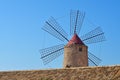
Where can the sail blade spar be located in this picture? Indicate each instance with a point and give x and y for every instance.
(76, 21)
(94, 36)
(51, 53)
(93, 60)
(52, 27)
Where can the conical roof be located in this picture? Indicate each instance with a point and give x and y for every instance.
(75, 40)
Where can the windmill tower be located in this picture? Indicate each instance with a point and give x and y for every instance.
(76, 52)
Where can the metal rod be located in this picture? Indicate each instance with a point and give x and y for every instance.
(94, 56)
(76, 22)
(81, 22)
(95, 60)
(70, 24)
(93, 36)
(57, 31)
(92, 61)
(51, 53)
(46, 60)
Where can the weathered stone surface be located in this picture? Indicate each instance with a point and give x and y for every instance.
(75, 55)
(78, 73)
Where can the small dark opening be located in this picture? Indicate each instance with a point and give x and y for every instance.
(80, 49)
(68, 66)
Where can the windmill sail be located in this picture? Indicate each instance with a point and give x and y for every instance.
(94, 36)
(76, 21)
(49, 54)
(93, 60)
(51, 26)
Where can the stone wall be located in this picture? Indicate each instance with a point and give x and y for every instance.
(79, 73)
(75, 55)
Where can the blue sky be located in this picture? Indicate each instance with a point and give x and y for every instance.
(21, 36)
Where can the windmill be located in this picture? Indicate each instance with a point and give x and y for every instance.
(76, 52)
